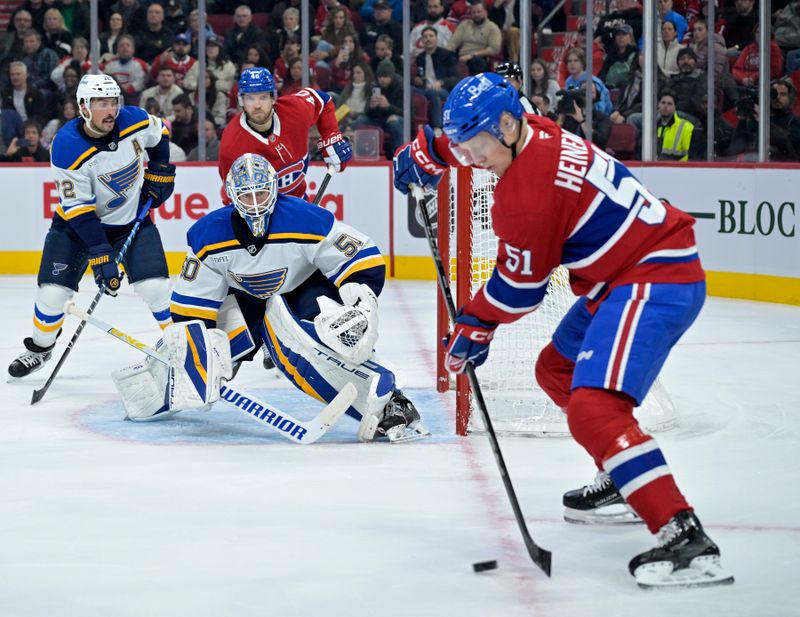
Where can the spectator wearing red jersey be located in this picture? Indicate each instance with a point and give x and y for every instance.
(129, 71)
(745, 71)
(176, 57)
(80, 54)
(350, 54)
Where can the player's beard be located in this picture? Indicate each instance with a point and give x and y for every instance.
(259, 118)
(106, 125)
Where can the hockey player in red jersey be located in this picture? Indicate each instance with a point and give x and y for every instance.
(634, 265)
(277, 129)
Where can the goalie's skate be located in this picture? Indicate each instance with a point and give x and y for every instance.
(599, 503)
(401, 421)
(685, 557)
(31, 360)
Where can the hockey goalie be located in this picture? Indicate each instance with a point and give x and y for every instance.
(277, 271)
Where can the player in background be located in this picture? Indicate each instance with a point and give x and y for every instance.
(635, 267)
(313, 285)
(513, 74)
(277, 129)
(98, 162)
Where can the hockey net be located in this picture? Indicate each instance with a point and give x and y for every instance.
(515, 402)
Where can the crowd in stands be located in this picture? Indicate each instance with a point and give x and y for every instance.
(150, 47)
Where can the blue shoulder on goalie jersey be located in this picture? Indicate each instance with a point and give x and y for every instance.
(72, 147)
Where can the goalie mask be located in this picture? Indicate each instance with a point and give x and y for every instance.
(252, 186)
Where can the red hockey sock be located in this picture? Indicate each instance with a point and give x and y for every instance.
(554, 375)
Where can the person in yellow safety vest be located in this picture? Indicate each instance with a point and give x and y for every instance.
(674, 134)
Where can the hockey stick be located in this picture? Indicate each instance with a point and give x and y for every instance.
(279, 421)
(324, 185)
(541, 557)
(38, 395)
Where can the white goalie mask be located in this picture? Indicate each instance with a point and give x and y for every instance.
(252, 186)
(97, 87)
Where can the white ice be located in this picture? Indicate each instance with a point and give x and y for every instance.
(211, 515)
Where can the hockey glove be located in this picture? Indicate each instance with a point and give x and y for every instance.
(336, 151)
(159, 182)
(104, 268)
(417, 163)
(469, 342)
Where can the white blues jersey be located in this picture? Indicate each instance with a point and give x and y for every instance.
(301, 239)
(103, 177)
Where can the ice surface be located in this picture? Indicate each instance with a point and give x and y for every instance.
(212, 515)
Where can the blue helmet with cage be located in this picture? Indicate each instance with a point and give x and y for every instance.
(476, 104)
(256, 79)
(252, 185)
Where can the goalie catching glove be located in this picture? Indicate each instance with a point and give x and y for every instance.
(199, 362)
(349, 329)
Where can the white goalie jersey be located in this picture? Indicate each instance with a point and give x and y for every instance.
(301, 239)
(107, 185)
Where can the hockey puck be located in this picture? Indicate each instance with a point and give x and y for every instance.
(483, 566)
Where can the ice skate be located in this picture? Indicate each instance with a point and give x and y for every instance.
(31, 360)
(401, 421)
(599, 503)
(685, 557)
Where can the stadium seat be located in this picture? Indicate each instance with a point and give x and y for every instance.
(261, 21)
(622, 141)
(220, 24)
(420, 118)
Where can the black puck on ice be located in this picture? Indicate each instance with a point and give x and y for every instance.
(483, 566)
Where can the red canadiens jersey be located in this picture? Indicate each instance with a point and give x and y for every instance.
(564, 201)
(286, 147)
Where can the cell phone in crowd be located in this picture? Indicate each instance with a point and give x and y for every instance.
(23, 143)
(376, 91)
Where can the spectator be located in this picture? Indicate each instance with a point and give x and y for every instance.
(10, 127)
(570, 116)
(20, 23)
(543, 104)
(35, 10)
(56, 36)
(668, 48)
(290, 52)
(382, 24)
(436, 75)
(176, 57)
(223, 69)
(745, 71)
(76, 17)
(739, 23)
(350, 53)
(134, 15)
(212, 144)
(152, 107)
(541, 83)
(476, 40)
(723, 133)
(323, 12)
(628, 13)
(384, 50)
(436, 18)
(184, 125)
(216, 101)
(576, 66)
(24, 98)
(598, 55)
(242, 35)
(337, 25)
(688, 86)
(700, 46)
(27, 149)
(689, 9)
(154, 37)
(673, 133)
(80, 54)
(280, 6)
(129, 71)
(621, 56)
(787, 33)
(66, 112)
(108, 39)
(165, 90)
(193, 31)
(290, 29)
(40, 60)
(505, 13)
(666, 13)
(176, 154)
(355, 96)
(293, 82)
(368, 10)
(72, 75)
(175, 19)
(257, 56)
(385, 106)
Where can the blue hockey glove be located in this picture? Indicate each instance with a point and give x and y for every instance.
(336, 151)
(104, 268)
(469, 342)
(417, 163)
(159, 182)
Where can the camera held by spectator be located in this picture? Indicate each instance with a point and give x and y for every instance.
(571, 103)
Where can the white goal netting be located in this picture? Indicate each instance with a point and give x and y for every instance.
(515, 402)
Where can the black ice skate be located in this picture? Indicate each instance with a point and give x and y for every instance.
(31, 360)
(685, 557)
(599, 503)
(401, 421)
(267, 362)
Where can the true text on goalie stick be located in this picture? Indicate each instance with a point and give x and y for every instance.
(279, 421)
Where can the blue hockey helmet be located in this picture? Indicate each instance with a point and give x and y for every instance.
(249, 178)
(476, 104)
(256, 79)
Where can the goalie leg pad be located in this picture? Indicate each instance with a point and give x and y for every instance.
(321, 373)
(144, 388)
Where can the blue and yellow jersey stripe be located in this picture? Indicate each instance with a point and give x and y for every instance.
(194, 308)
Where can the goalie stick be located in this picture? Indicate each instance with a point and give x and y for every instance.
(273, 418)
(38, 395)
(540, 556)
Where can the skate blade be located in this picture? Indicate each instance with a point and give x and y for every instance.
(610, 515)
(403, 434)
(704, 571)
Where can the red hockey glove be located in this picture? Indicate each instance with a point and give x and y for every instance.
(336, 151)
(469, 342)
(417, 163)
